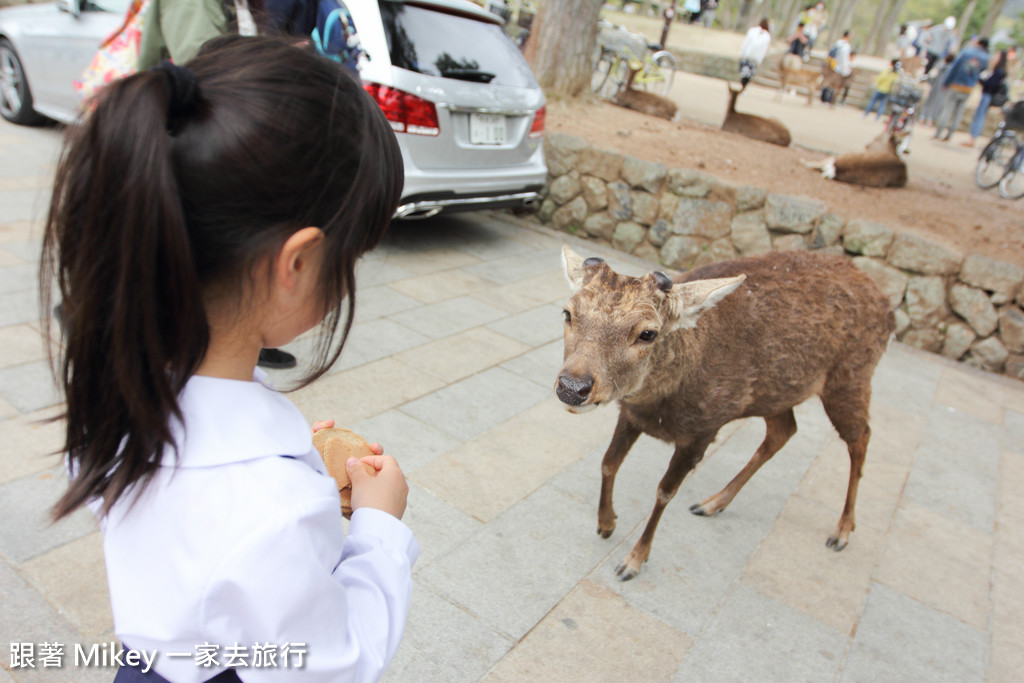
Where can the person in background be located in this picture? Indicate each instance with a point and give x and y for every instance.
(708, 10)
(754, 48)
(990, 87)
(963, 74)
(175, 30)
(903, 47)
(815, 20)
(884, 84)
(692, 7)
(931, 109)
(938, 41)
(797, 43)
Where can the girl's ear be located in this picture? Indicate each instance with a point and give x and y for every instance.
(296, 255)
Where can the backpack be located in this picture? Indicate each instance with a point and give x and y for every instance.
(335, 33)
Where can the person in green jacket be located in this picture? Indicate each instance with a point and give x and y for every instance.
(884, 85)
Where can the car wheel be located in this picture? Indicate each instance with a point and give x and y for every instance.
(15, 98)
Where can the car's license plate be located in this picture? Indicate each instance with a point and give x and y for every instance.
(486, 129)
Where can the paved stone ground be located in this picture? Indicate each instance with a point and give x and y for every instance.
(453, 361)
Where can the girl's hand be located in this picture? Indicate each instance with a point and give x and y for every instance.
(387, 490)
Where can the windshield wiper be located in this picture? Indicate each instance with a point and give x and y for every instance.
(469, 75)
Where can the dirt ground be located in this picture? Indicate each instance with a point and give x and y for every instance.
(953, 213)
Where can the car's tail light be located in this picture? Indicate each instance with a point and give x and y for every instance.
(406, 112)
(537, 129)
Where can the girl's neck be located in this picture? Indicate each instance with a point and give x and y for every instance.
(230, 359)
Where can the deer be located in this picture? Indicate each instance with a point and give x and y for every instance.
(879, 165)
(683, 357)
(756, 127)
(644, 102)
(792, 73)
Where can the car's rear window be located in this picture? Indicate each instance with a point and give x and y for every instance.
(437, 43)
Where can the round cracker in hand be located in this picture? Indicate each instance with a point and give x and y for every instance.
(336, 446)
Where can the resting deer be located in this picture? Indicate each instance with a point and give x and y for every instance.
(756, 127)
(751, 337)
(644, 102)
(879, 165)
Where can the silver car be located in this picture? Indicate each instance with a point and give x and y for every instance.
(466, 110)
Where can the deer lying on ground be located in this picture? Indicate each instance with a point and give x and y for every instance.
(751, 337)
(756, 127)
(644, 102)
(793, 74)
(879, 165)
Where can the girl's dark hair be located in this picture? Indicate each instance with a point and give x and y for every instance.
(1000, 61)
(151, 217)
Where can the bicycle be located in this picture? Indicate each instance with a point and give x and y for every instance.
(619, 51)
(904, 114)
(1002, 156)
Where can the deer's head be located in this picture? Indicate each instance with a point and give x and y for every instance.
(614, 324)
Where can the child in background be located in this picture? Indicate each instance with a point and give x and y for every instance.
(884, 84)
(201, 213)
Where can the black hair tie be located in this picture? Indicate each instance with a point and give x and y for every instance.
(184, 91)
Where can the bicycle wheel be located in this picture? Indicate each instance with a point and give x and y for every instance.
(1011, 185)
(603, 60)
(994, 161)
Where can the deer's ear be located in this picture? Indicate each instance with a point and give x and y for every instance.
(688, 300)
(573, 264)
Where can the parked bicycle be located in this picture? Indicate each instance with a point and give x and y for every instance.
(1002, 156)
(904, 113)
(619, 51)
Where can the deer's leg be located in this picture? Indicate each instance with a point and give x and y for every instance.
(848, 411)
(683, 461)
(622, 440)
(779, 430)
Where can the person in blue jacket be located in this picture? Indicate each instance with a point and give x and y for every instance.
(963, 74)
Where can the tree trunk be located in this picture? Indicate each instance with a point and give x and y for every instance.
(560, 48)
(886, 31)
(961, 25)
(994, 10)
(840, 22)
(872, 40)
(745, 17)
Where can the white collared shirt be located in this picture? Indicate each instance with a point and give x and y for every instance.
(241, 544)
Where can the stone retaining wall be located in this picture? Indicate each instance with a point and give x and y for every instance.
(966, 307)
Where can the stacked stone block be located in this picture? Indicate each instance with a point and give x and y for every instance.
(965, 307)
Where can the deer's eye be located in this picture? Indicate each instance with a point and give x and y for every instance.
(648, 335)
(568, 316)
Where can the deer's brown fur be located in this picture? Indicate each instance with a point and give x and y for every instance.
(879, 165)
(645, 102)
(751, 126)
(792, 74)
(751, 337)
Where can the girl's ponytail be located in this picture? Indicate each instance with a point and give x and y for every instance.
(117, 241)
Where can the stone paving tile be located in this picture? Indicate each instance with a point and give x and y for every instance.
(1013, 432)
(448, 317)
(21, 344)
(410, 257)
(411, 442)
(363, 392)
(463, 354)
(380, 302)
(895, 435)
(24, 506)
(439, 526)
(374, 340)
(549, 288)
(29, 387)
(30, 444)
(29, 251)
(374, 272)
(442, 286)
(74, 580)
(955, 468)
(524, 562)
(18, 307)
(14, 231)
(901, 639)
(1013, 394)
(519, 267)
(905, 380)
(471, 647)
(793, 566)
(752, 637)
(1010, 503)
(491, 473)
(541, 365)
(959, 389)
(18, 278)
(1007, 655)
(594, 635)
(939, 562)
(9, 259)
(535, 327)
(474, 405)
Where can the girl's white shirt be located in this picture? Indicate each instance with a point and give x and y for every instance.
(238, 542)
(755, 44)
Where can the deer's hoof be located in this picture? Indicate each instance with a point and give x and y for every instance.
(836, 543)
(700, 510)
(605, 533)
(625, 572)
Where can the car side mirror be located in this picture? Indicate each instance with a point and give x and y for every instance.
(72, 7)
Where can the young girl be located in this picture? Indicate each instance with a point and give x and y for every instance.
(201, 213)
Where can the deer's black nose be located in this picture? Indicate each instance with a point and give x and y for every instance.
(573, 390)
